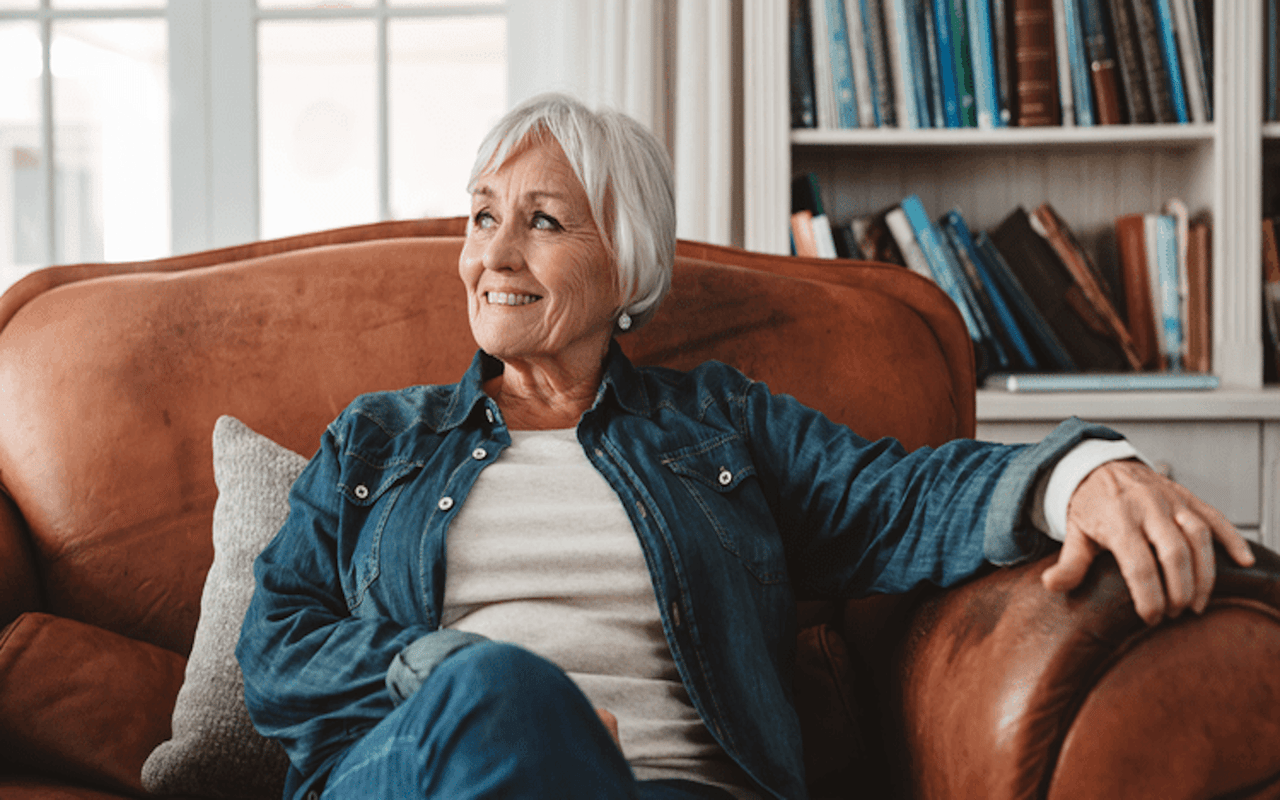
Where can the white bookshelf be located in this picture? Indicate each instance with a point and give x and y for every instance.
(1091, 176)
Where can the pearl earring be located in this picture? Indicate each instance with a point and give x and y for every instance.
(624, 321)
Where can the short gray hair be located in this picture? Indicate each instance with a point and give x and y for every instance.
(626, 174)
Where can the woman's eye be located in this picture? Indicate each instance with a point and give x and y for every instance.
(482, 219)
(544, 222)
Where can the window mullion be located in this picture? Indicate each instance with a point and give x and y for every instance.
(384, 122)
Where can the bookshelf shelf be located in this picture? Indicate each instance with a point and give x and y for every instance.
(1271, 130)
(1006, 137)
(1226, 403)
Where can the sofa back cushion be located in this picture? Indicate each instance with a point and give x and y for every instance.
(112, 384)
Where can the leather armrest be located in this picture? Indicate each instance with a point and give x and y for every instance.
(19, 586)
(1001, 689)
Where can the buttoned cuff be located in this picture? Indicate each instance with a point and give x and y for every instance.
(411, 666)
(1054, 490)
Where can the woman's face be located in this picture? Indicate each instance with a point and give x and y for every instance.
(540, 281)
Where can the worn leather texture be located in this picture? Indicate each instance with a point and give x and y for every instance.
(112, 376)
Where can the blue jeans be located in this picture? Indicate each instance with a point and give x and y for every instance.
(494, 720)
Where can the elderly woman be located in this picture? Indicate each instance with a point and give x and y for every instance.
(518, 586)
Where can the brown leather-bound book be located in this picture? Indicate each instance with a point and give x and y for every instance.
(1132, 248)
(1157, 74)
(1199, 258)
(1102, 66)
(1034, 67)
(1133, 82)
(1055, 294)
(1101, 312)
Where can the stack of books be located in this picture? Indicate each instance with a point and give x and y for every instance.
(1033, 299)
(992, 63)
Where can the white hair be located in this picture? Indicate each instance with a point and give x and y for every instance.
(626, 174)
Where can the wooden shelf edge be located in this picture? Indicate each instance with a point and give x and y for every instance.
(1003, 137)
(1226, 403)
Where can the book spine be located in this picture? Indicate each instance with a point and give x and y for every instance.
(841, 65)
(877, 47)
(1035, 74)
(983, 57)
(900, 228)
(1062, 50)
(1133, 82)
(1001, 44)
(803, 113)
(1169, 51)
(1044, 340)
(999, 315)
(824, 88)
(1271, 290)
(963, 61)
(944, 53)
(1170, 296)
(802, 236)
(862, 83)
(1157, 72)
(1189, 54)
(1272, 43)
(1081, 95)
(1102, 66)
(898, 25)
(1130, 242)
(1199, 258)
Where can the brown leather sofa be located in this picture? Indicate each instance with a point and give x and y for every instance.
(111, 378)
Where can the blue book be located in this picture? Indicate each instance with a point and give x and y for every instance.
(946, 63)
(1050, 352)
(841, 64)
(869, 37)
(804, 110)
(945, 272)
(1272, 45)
(1080, 78)
(929, 49)
(1103, 382)
(982, 53)
(1001, 315)
(1173, 64)
(1170, 306)
(963, 62)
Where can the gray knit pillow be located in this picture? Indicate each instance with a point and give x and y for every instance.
(215, 751)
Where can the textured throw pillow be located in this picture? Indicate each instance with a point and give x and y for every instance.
(214, 750)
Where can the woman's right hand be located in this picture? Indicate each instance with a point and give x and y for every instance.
(610, 722)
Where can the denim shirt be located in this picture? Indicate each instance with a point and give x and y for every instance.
(743, 501)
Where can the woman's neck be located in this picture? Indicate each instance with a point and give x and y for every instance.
(537, 398)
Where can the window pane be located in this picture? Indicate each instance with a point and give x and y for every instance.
(24, 232)
(448, 86)
(23, 5)
(111, 139)
(270, 4)
(318, 131)
(444, 3)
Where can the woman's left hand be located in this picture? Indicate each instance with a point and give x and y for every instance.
(1162, 537)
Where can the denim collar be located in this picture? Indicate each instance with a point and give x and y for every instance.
(622, 383)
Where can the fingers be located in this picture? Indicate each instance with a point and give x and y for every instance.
(611, 722)
(1073, 563)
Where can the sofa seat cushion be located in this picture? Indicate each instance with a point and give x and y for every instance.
(215, 750)
(81, 702)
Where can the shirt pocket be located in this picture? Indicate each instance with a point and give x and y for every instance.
(369, 495)
(719, 477)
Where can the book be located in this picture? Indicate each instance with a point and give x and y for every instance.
(1081, 94)
(1181, 224)
(841, 65)
(983, 59)
(1102, 65)
(1101, 312)
(877, 47)
(945, 57)
(1173, 63)
(1062, 51)
(803, 111)
(1049, 352)
(1055, 294)
(863, 88)
(1002, 48)
(963, 62)
(1035, 73)
(874, 239)
(1271, 296)
(1133, 82)
(846, 243)
(1140, 316)
(999, 315)
(1162, 243)
(823, 82)
(927, 41)
(1153, 63)
(810, 226)
(1271, 53)
(803, 240)
(898, 22)
(1188, 38)
(895, 219)
(1103, 382)
(1199, 298)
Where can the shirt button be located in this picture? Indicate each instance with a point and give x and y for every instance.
(488, 414)
(362, 492)
(445, 503)
(479, 454)
(726, 477)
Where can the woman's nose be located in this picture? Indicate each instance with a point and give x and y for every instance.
(503, 250)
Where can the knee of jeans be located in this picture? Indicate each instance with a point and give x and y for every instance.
(496, 667)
